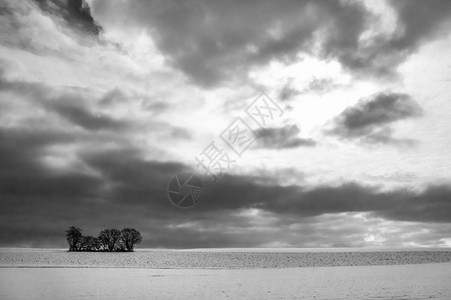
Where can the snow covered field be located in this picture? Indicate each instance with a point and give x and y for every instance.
(222, 258)
(56, 274)
(423, 281)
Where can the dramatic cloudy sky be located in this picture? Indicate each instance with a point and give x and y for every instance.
(103, 102)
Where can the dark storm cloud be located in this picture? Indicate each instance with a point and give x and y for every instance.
(280, 138)
(381, 109)
(37, 201)
(123, 188)
(81, 116)
(32, 195)
(44, 188)
(76, 13)
(71, 107)
(417, 23)
(351, 197)
(135, 179)
(129, 190)
(370, 119)
(82, 110)
(432, 205)
(20, 147)
(214, 41)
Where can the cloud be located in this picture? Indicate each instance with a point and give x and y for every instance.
(96, 187)
(417, 22)
(71, 107)
(217, 41)
(287, 92)
(295, 200)
(93, 186)
(48, 29)
(72, 151)
(220, 41)
(25, 174)
(101, 189)
(320, 85)
(125, 189)
(76, 13)
(370, 119)
(91, 113)
(79, 115)
(280, 138)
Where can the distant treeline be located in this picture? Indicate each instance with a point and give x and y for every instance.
(108, 240)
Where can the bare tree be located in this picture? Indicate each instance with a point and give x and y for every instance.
(130, 237)
(98, 244)
(74, 238)
(110, 238)
(88, 243)
(104, 238)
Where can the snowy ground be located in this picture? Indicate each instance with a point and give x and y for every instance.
(422, 281)
(222, 258)
(226, 274)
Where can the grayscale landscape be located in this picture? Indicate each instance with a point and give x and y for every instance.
(225, 149)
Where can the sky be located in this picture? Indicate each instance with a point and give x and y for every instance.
(103, 102)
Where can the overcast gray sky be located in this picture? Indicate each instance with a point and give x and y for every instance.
(103, 102)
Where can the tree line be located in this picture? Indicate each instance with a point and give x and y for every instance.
(108, 240)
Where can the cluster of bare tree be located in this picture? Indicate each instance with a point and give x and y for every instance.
(108, 240)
